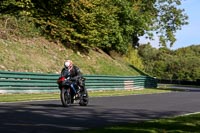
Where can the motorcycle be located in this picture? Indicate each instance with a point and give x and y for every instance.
(71, 92)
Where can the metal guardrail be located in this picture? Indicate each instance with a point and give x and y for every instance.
(179, 82)
(27, 82)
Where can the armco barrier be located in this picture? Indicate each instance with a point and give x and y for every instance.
(26, 82)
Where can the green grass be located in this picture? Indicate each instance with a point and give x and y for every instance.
(180, 124)
(48, 96)
(48, 57)
(127, 92)
(28, 97)
(24, 49)
(179, 85)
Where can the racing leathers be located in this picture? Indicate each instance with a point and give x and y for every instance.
(75, 76)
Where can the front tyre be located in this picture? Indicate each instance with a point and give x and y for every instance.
(84, 99)
(65, 97)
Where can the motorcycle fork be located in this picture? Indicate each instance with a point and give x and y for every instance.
(68, 91)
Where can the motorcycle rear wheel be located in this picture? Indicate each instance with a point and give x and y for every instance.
(65, 97)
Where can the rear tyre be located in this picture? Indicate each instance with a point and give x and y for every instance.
(65, 97)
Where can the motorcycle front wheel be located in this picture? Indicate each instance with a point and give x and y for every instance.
(84, 99)
(65, 97)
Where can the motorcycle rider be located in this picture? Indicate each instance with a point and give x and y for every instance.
(73, 72)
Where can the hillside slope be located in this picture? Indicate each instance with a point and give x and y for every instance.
(40, 55)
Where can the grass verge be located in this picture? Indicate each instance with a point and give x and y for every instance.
(49, 96)
(180, 124)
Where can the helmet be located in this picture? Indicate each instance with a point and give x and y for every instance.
(68, 64)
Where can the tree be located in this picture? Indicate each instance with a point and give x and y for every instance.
(169, 19)
(133, 58)
(181, 64)
(107, 24)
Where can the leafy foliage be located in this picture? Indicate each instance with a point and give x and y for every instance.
(133, 58)
(181, 64)
(169, 19)
(107, 24)
(111, 25)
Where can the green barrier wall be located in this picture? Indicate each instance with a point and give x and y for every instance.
(26, 82)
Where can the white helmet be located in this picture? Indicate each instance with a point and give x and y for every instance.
(68, 64)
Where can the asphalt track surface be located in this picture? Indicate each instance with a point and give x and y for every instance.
(51, 117)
